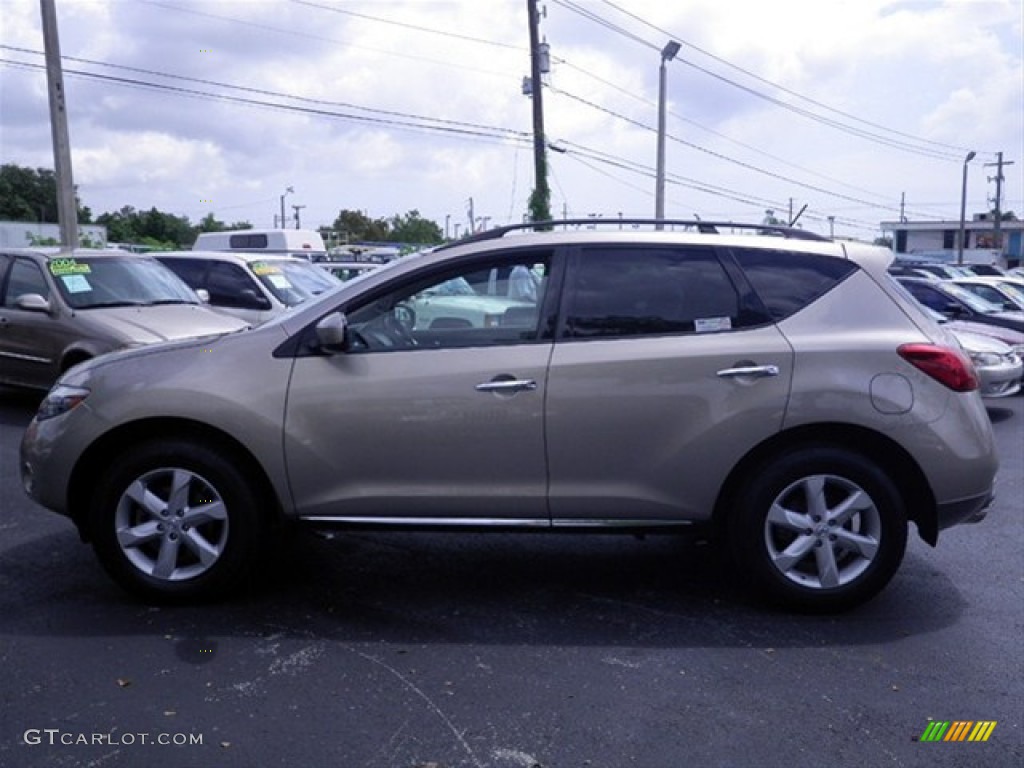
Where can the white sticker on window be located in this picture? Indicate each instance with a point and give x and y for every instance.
(76, 283)
(280, 281)
(708, 324)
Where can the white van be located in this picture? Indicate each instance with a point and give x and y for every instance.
(304, 243)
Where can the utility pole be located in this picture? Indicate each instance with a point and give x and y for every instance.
(540, 200)
(998, 230)
(297, 208)
(67, 207)
(472, 217)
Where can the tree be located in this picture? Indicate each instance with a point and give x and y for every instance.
(413, 228)
(28, 194)
(153, 228)
(355, 226)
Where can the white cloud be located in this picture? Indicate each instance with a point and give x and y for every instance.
(946, 71)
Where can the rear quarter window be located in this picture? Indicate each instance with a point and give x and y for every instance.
(788, 281)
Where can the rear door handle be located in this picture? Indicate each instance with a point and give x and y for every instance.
(507, 385)
(751, 371)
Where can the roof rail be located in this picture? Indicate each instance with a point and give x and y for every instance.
(706, 227)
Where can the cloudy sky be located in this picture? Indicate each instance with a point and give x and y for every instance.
(847, 107)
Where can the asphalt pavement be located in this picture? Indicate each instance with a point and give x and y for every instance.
(497, 651)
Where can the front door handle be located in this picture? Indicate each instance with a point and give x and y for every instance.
(507, 386)
(751, 371)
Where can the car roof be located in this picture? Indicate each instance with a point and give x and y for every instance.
(48, 253)
(238, 257)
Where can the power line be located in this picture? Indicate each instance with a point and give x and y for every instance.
(942, 151)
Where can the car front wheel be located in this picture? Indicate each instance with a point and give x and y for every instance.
(819, 529)
(175, 521)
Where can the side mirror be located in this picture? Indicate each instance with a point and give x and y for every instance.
(203, 294)
(32, 302)
(253, 300)
(332, 332)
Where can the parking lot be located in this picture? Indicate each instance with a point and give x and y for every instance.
(408, 650)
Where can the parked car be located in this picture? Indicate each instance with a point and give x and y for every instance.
(956, 302)
(777, 387)
(1003, 293)
(58, 309)
(943, 271)
(254, 287)
(999, 367)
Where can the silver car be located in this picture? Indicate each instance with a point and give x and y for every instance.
(252, 286)
(779, 388)
(58, 309)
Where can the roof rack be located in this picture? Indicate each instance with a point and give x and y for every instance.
(705, 227)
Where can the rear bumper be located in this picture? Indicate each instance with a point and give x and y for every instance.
(972, 510)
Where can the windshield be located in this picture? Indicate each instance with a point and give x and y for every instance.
(293, 281)
(973, 300)
(88, 282)
(1014, 292)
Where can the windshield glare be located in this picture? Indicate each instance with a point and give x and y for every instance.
(88, 282)
(293, 281)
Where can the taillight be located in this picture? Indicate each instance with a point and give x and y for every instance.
(950, 367)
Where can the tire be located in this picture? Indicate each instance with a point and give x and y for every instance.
(175, 521)
(819, 529)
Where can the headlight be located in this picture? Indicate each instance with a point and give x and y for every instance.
(986, 358)
(60, 399)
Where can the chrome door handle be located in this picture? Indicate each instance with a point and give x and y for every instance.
(507, 385)
(754, 371)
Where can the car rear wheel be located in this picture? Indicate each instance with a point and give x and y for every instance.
(819, 529)
(175, 521)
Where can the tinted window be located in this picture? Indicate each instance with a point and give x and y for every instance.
(243, 242)
(25, 277)
(649, 291)
(230, 286)
(189, 270)
(787, 281)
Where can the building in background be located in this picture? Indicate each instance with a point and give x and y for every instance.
(937, 240)
(24, 234)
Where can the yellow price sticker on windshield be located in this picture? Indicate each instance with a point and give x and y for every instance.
(60, 267)
(262, 268)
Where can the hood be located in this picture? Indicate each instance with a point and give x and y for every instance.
(1005, 335)
(163, 322)
(975, 343)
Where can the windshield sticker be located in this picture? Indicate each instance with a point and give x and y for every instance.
(59, 267)
(280, 281)
(709, 324)
(76, 283)
(262, 268)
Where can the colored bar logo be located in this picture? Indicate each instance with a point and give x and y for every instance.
(958, 730)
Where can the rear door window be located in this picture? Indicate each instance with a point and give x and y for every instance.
(622, 291)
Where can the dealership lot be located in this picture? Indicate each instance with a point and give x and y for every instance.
(414, 650)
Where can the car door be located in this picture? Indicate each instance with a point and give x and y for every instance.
(442, 422)
(663, 375)
(31, 340)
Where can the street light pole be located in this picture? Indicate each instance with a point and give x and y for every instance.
(667, 54)
(963, 210)
(286, 192)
